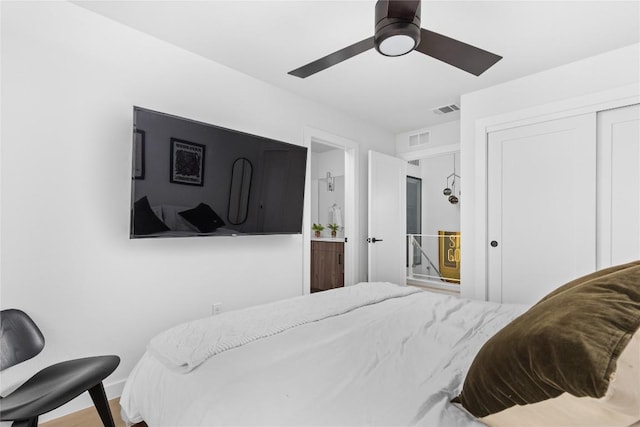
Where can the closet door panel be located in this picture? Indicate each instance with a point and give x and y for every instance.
(541, 207)
(618, 186)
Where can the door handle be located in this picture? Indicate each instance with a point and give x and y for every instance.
(494, 243)
(373, 240)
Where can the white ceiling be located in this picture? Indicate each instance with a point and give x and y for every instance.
(266, 39)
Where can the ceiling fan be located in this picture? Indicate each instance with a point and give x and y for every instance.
(398, 32)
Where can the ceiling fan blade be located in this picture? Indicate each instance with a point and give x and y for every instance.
(405, 9)
(461, 55)
(333, 58)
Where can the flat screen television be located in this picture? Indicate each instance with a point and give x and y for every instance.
(196, 179)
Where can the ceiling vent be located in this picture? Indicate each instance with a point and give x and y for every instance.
(421, 138)
(414, 162)
(446, 109)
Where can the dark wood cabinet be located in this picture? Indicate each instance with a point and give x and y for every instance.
(327, 265)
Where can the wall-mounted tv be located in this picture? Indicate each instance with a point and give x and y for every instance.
(196, 179)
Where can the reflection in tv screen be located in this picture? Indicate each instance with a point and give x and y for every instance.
(195, 179)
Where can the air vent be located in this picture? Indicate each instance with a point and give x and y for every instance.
(419, 138)
(414, 162)
(446, 109)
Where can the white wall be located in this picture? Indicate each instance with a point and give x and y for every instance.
(329, 161)
(442, 134)
(69, 81)
(437, 213)
(529, 94)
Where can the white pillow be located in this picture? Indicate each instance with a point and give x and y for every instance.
(174, 220)
(158, 211)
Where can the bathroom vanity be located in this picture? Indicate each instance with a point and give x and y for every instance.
(327, 264)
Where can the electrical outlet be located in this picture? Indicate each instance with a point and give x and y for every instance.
(216, 308)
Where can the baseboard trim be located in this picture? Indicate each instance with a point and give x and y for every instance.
(83, 401)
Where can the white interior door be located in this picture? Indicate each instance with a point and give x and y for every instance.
(387, 218)
(618, 186)
(541, 207)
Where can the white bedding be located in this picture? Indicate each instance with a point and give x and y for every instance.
(186, 346)
(395, 362)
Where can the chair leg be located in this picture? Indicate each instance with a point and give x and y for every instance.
(99, 398)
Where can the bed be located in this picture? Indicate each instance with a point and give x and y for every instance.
(383, 354)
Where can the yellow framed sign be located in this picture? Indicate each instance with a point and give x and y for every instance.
(449, 255)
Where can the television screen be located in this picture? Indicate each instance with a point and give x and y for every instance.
(195, 179)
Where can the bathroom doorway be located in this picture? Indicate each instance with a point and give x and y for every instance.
(327, 217)
(327, 189)
(330, 258)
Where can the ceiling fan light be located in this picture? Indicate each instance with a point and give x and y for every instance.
(396, 38)
(397, 45)
(397, 27)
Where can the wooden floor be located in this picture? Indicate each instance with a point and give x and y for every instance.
(88, 418)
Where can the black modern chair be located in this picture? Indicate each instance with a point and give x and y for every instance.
(20, 340)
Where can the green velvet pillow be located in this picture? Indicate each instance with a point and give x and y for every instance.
(568, 342)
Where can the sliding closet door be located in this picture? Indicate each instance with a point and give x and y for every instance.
(618, 186)
(541, 207)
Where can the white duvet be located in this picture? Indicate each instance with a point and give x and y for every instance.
(186, 346)
(395, 362)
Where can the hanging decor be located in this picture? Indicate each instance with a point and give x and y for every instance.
(450, 189)
(331, 182)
